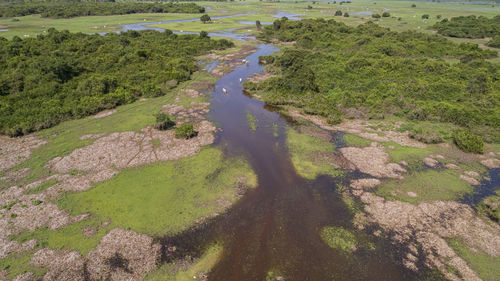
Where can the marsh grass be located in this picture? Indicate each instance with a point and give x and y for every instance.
(429, 185)
(163, 198)
(311, 156)
(252, 121)
(19, 263)
(483, 264)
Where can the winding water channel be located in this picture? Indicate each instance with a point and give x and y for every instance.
(276, 226)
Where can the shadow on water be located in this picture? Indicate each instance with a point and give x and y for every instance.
(276, 226)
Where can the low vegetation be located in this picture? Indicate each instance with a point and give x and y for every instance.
(468, 141)
(78, 9)
(185, 131)
(62, 75)
(164, 121)
(490, 206)
(401, 74)
(469, 27)
(339, 238)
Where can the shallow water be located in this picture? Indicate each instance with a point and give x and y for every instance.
(276, 226)
(487, 188)
(290, 16)
(223, 33)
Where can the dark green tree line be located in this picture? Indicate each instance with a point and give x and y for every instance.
(63, 75)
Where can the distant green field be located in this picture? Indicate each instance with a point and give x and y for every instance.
(402, 16)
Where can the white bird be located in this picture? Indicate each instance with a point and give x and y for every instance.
(241, 80)
(224, 91)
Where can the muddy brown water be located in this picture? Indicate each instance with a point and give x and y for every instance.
(276, 226)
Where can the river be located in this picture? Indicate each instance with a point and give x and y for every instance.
(276, 226)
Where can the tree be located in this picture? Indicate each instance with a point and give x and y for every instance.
(258, 24)
(413, 5)
(205, 18)
(346, 14)
(386, 14)
(204, 34)
(338, 13)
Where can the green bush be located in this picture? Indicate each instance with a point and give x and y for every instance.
(469, 26)
(338, 13)
(61, 75)
(386, 14)
(164, 121)
(425, 16)
(346, 15)
(185, 131)
(468, 141)
(375, 16)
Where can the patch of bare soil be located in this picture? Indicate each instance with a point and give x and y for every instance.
(61, 265)
(16, 150)
(94, 163)
(373, 160)
(122, 255)
(101, 160)
(315, 132)
(362, 128)
(428, 225)
(491, 163)
(103, 114)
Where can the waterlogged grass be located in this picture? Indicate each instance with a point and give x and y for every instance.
(310, 156)
(429, 185)
(356, 141)
(18, 263)
(486, 266)
(252, 121)
(407, 153)
(163, 198)
(339, 238)
(65, 137)
(34, 24)
(168, 272)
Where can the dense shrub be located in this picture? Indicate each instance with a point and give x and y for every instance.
(469, 27)
(494, 42)
(376, 16)
(338, 13)
(338, 68)
(164, 121)
(468, 141)
(63, 75)
(425, 16)
(386, 14)
(185, 131)
(346, 15)
(76, 9)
